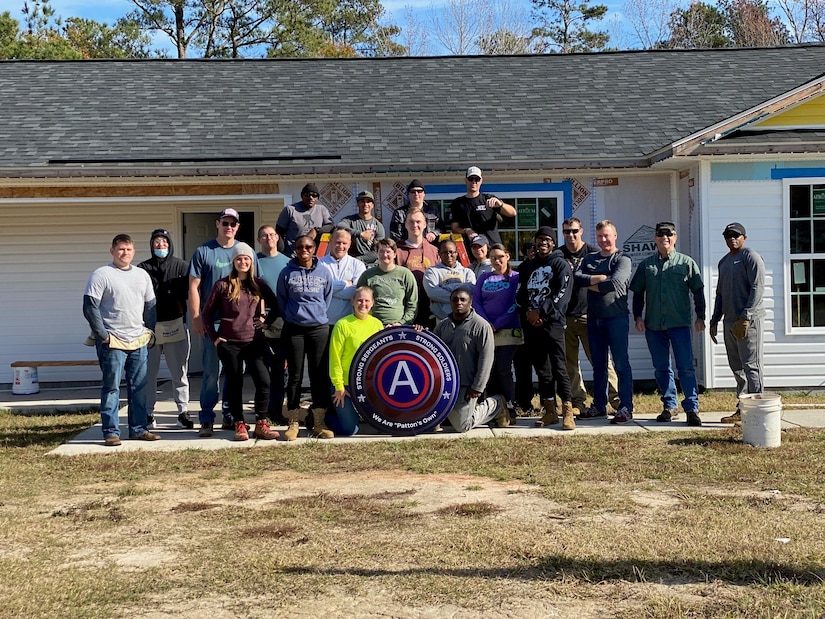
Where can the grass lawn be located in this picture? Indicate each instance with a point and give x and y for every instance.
(657, 524)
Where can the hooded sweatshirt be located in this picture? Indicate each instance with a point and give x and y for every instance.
(304, 293)
(169, 279)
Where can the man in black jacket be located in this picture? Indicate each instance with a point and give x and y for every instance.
(170, 280)
(545, 289)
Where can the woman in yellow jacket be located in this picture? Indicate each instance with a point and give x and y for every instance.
(347, 336)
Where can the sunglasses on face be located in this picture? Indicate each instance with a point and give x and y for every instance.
(731, 235)
(473, 179)
(305, 247)
(229, 224)
(416, 191)
(662, 233)
(572, 231)
(312, 194)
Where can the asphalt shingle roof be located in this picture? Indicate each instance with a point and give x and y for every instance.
(384, 114)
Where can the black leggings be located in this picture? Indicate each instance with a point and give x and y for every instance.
(299, 342)
(233, 355)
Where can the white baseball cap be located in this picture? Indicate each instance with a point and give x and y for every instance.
(473, 171)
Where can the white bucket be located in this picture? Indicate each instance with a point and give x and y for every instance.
(761, 419)
(25, 381)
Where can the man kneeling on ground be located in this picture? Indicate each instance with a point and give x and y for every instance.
(470, 337)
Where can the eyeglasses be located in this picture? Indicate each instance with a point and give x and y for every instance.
(474, 179)
(662, 233)
(572, 231)
(731, 235)
(416, 191)
(312, 194)
(271, 235)
(229, 224)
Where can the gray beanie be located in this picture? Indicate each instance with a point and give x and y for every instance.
(242, 249)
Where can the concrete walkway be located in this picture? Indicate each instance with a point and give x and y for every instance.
(91, 440)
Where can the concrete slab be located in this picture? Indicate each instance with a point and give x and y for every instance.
(90, 441)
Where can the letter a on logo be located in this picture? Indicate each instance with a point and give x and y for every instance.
(406, 380)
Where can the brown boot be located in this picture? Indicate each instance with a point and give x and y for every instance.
(319, 428)
(550, 417)
(568, 421)
(293, 428)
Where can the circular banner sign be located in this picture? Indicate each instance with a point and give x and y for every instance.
(404, 382)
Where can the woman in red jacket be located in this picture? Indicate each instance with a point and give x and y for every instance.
(236, 302)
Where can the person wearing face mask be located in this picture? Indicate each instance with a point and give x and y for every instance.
(169, 275)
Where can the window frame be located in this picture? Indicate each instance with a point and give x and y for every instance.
(788, 257)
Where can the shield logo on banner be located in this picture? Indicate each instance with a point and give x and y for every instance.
(404, 382)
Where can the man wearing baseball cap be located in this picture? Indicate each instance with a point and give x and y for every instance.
(306, 216)
(477, 213)
(415, 199)
(739, 293)
(662, 287)
(366, 230)
(211, 262)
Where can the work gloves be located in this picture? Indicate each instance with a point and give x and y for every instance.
(740, 328)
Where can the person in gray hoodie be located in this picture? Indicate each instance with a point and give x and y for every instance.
(441, 279)
(470, 338)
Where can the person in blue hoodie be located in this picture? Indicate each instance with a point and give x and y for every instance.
(304, 294)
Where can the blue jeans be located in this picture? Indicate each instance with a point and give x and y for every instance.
(116, 365)
(210, 393)
(610, 334)
(659, 343)
(345, 420)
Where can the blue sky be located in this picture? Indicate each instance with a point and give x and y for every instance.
(109, 10)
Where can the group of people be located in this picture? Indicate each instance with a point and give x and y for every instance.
(283, 310)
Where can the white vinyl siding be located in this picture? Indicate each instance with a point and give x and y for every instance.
(789, 360)
(48, 249)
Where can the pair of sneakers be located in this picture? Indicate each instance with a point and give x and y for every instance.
(671, 414)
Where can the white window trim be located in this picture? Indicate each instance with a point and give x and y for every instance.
(787, 256)
(504, 195)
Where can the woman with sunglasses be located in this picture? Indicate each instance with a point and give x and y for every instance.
(304, 292)
(494, 299)
(235, 303)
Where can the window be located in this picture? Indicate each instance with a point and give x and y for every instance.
(533, 210)
(806, 238)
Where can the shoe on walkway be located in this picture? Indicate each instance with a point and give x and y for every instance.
(113, 440)
(185, 421)
(511, 412)
(319, 426)
(206, 429)
(550, 417)
(502, 419)
(591, 412)
(693, 419)
(147, 436)
(264, 432)
(622, 416)
(667, 414)
(568, 421)
(735, 419)
(241, 433)
(228, 423)
(292, 429)
(150, 422)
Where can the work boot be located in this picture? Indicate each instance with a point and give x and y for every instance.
(241, 433)
(503, 416)
(735, 419)
(293, 428)
(550, 416)
(264, 432)
(568, 416)
(319, 427)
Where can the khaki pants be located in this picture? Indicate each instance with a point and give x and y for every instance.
(576, 332)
